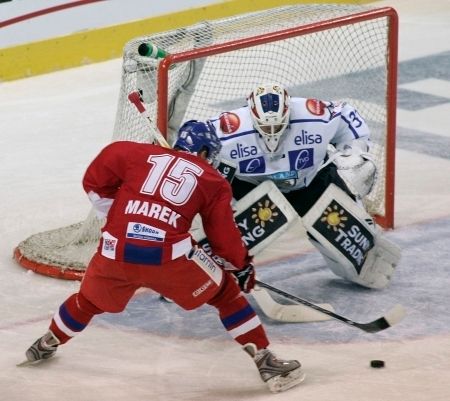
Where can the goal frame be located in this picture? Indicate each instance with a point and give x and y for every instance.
(65, 252)
(162, 112)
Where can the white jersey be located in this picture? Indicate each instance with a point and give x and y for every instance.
(313, 124)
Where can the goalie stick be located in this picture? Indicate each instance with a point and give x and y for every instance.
(267, 203)
(287, 313)
(393, 316)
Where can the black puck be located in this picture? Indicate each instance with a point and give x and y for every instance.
(376, 363)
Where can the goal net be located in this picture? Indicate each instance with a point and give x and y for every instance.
(328, 52)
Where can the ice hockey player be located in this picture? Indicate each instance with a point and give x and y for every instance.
(317, 153)
(150, 195)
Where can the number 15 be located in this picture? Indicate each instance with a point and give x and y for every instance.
(177, 184)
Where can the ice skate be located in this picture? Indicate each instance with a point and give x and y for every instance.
(43, 348)
(279, 374)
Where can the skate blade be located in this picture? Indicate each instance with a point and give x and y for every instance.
(26, 362)
(278, 384)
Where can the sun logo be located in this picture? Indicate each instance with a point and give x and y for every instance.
(264, 213)
(334, 217)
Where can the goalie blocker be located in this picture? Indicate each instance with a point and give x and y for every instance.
(347, 237)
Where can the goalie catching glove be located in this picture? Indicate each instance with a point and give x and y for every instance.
(355, 166)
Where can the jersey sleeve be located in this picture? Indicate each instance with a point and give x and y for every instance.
(221, 230)
(352, 127)
(104, 176)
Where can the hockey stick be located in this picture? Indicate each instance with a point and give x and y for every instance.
(225, 168)
(287, 313)
(282, 216)
(271, 308)
(393, 316)
(135, 98)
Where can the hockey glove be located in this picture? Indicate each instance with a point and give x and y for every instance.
(356, 167)
(245, 278)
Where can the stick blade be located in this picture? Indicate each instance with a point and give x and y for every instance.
(395, 315)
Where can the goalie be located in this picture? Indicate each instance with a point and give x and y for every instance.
(317, 154)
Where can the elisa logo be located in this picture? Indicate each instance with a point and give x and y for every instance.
(305, 138)
(315, 107)
(229, 122)
(241, 151)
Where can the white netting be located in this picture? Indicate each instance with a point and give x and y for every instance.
(347, 62)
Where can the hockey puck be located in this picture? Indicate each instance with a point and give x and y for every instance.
(376, 363)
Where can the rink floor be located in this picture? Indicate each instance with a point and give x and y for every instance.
(51, 127)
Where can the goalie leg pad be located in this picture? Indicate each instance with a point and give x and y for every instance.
(346, 236)
(380, 264)
(262, 216)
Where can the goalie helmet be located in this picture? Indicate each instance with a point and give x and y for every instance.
(195, 136)
(269, 109)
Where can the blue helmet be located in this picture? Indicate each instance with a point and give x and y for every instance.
(195, 136)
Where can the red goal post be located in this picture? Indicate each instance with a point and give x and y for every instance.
(323, 51)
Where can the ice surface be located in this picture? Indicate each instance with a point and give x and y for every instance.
(51, 126)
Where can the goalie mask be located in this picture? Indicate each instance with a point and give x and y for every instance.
(269, 110)
(195, 136)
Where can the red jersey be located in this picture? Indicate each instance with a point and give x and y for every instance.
(156, 193)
